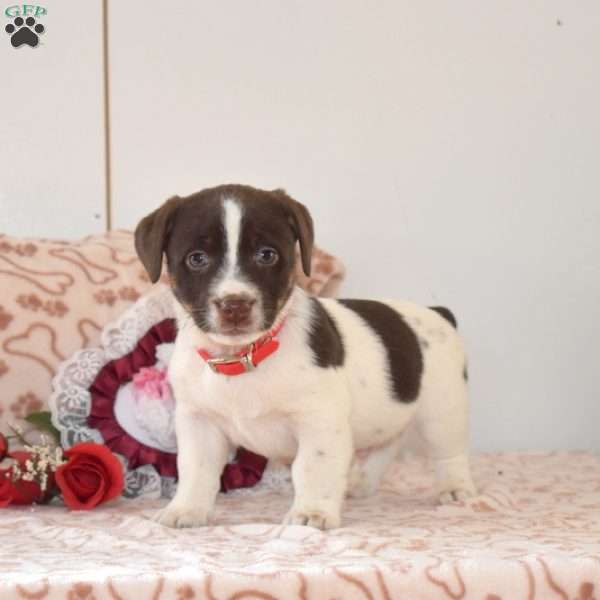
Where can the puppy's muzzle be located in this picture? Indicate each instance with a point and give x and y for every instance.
(234, 310)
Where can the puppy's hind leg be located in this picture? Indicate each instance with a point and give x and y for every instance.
(443, 421)
(369, 467)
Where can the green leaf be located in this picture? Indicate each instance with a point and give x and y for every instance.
(43, 420)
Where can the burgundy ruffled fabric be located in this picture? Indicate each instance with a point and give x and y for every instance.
(246, 471)
(248, 467)
(104, 390)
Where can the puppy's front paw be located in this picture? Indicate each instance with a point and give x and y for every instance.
(320, 519)
(180, 516)
(458, 495)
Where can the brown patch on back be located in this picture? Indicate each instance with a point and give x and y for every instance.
(324, 338)
(405, 359)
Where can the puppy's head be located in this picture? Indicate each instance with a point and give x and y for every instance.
(230, 254)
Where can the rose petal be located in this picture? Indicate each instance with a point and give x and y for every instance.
(89, 495)
(5, 488)
(26, 492)
(84, 482)
(70, 492)
(92, 475)
(3, 447)
(105, 474)
(20, 456)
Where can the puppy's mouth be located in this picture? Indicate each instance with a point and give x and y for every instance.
(227, 329)
(235, 330)
(209, 326)
(241, 333)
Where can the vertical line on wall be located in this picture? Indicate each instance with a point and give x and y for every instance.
(107, 136)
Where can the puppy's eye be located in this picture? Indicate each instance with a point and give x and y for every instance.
(197, 261)
(266, 256)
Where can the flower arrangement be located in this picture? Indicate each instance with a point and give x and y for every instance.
(85, 475)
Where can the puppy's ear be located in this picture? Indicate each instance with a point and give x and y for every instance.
(306, 234)
(302, 225)
(151, 237)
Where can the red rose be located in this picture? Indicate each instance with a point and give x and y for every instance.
(20, 491)
(3, 447)
(93, 475)
(6, 488)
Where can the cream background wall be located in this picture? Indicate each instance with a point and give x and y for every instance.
(448, 152)
(51, 129)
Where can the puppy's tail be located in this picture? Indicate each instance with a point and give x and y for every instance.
(447, 314)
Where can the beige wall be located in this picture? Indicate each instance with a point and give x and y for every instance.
(51, 129)
(448, 151)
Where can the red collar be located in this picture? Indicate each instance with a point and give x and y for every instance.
(242, 362)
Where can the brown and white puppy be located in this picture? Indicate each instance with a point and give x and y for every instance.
(335, 395)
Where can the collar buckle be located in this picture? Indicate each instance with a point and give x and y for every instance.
(223, 360)
(245, 360)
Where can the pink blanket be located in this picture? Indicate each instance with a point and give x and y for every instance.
(533, 533)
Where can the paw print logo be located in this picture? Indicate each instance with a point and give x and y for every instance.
(24, 31)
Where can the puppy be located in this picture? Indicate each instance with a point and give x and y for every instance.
(325, 385)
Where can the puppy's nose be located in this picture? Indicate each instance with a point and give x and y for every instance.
(235, 309)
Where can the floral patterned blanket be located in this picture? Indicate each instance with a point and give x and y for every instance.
(533, 533)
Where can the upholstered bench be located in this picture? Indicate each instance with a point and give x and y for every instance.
(532, 533)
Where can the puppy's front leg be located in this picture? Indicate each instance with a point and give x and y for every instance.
(202, 452)
(320, 473)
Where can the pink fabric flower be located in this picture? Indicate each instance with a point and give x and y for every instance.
(152, 382)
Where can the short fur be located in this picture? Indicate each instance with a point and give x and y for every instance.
(324, 338)
(334, 399)
(404, 358)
